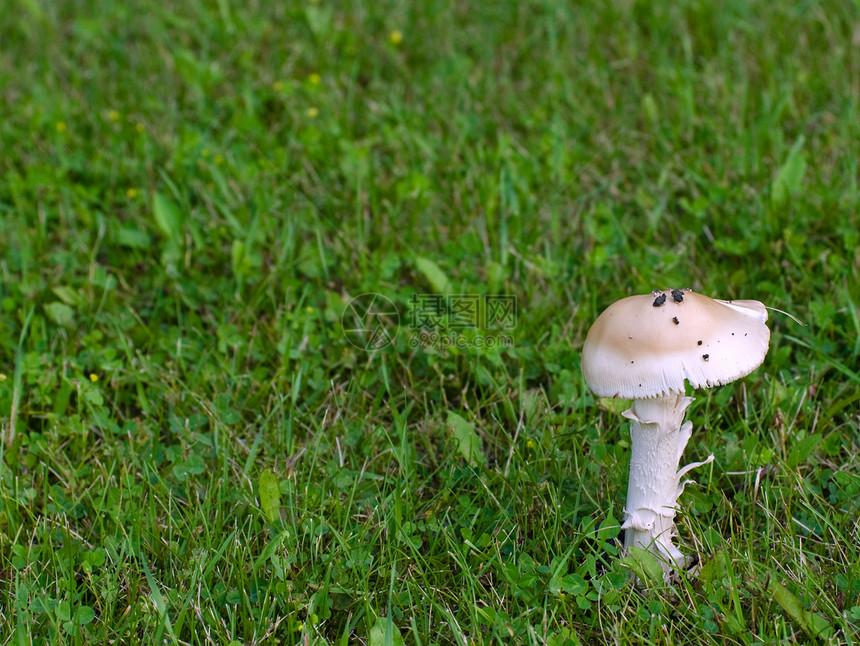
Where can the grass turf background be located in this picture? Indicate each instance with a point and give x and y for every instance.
(191, 193)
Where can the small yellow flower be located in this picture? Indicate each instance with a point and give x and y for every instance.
(131, 193)
(61, 126)
(113, 115)
(313, 112)
(395, 37)
(314, 79)
(309, 309)
(94, 377)
(531, 444)
(219, 159)
(2, 377)
(277, 86)
(140, 129)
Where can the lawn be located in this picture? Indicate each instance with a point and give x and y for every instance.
(293, 297)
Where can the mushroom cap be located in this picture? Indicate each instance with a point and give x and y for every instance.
(647, 346)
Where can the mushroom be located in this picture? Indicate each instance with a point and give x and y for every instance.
(644, 349)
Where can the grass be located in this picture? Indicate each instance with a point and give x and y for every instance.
(191, 194)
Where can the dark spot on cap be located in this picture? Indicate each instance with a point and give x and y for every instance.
(733, 333)
(706, 357)
(632, 362)
(675, 320)
(700, 343)
(677, 295)
(659, 300)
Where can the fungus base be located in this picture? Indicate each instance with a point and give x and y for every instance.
(658, 438)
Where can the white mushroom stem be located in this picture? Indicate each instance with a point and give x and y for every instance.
(658, 439)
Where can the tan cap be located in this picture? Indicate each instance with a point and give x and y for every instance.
(647, 346)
